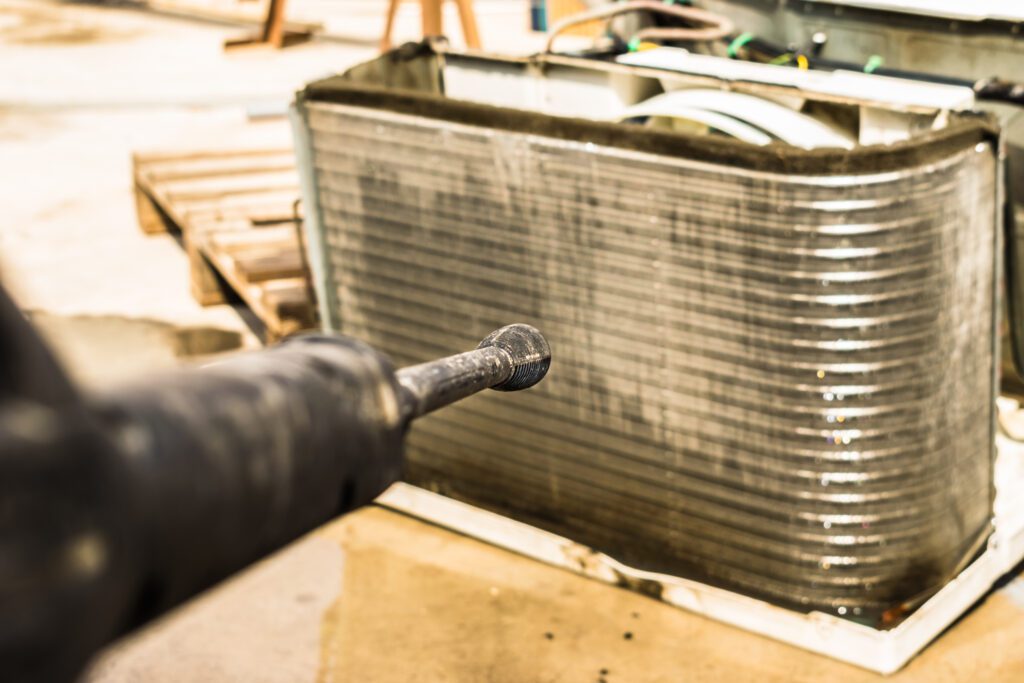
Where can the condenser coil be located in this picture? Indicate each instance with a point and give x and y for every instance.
(775, 368)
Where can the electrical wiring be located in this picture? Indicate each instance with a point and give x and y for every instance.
(710, 27)
(756, 49)
(714, 28)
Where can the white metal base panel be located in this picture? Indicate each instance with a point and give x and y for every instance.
(881, 651)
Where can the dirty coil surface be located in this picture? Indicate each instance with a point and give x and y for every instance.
(780, 385)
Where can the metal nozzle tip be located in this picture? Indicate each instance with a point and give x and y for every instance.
(531, 355)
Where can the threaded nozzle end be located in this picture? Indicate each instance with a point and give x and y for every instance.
(530, 353)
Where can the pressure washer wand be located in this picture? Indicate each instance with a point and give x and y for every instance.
(512, 358)
(120, 505)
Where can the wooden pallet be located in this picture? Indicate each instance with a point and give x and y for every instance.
(237, 214)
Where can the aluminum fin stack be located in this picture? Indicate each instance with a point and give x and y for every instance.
(775, 367)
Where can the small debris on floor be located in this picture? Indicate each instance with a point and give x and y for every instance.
(628, 635)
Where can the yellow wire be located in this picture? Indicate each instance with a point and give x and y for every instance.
(801, 62)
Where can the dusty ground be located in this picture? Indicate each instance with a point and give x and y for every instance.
(376, 596)
(381, 597)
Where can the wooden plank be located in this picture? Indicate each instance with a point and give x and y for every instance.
(209, 222)
(180, 169)
(430, 18)
(219, 186)
(272, 266)
(467, 17)
(252, 295)
(276, 235)
(273, 27)
(389, 23)
(277, 203)
(248, 214)
(147, 158)
(290, 302)
(224, 208)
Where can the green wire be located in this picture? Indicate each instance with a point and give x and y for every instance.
(633, 45)
(874, 61)
(782, 59)
(740, 40)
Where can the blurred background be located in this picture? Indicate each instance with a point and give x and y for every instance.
(133, 135)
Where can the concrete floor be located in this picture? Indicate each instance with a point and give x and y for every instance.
(376, 596)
